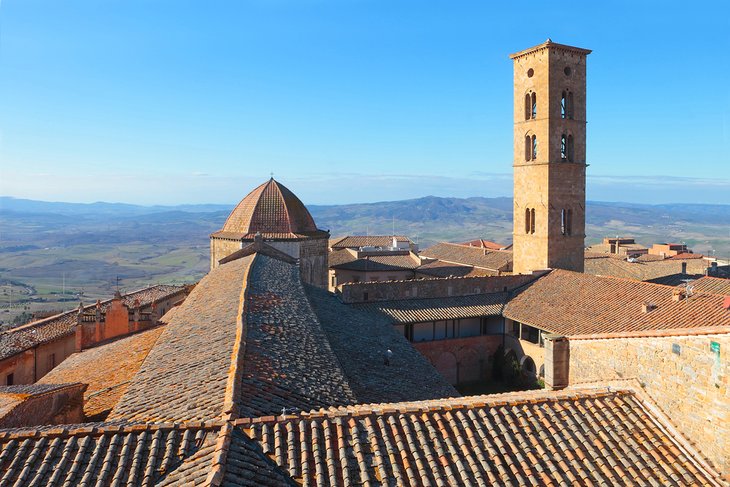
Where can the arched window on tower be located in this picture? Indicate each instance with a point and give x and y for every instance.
(534, 105)
(527, 220)
(563, 148)
(563, 222)
(528, 148)
(570, 153)
(534, 147)
(532, 220)
(563, 105)
(528, 106)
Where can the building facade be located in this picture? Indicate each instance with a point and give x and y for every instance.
(549, 157)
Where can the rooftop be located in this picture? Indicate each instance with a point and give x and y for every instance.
(271, 210)
(107, 369)
(22, 338)
(357, 241)
(433, 309)
(494, 260)
(574, 304)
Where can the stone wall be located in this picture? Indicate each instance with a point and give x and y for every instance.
(461, 360)
(431, 288)
(685, 377)
(344, 276)
(220, 248)
(60, 406)
(313, 261)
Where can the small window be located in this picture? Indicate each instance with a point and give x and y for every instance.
(532, 220)
(563, 104)
(533, 111)
(528, 148)
(10, 379)
(570, 154)
(528, 106)
(563, 222)
(527, 220)
(365, 296)
(569, 222)
(563, 148)
(534, 147)
(530, 72)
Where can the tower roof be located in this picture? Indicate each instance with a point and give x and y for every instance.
(271, 210)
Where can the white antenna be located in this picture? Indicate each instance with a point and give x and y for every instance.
(394, 225)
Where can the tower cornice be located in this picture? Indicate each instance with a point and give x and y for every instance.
(549, 44)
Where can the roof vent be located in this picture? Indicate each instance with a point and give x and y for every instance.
(678, 295)
(647, 307)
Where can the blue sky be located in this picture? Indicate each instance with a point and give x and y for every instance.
(347, 101)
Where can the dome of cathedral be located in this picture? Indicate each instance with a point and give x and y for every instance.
(272, 210)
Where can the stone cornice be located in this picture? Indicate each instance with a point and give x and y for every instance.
(551, 45)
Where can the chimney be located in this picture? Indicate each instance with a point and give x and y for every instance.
(684, 268)
(647, 307)
(557, 361)
(678, 295)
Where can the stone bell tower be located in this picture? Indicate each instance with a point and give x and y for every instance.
(549, 157)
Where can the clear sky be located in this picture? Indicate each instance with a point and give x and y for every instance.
(152, 101)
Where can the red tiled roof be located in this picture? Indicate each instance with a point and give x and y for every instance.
(437, 268)
(687, 255)
(712, 285)
(583, 437)
(497, 260)
(484, 244)
(357, 241)
(344, 259)
(22, 338)
(272, 210)
(570, 303)
(107, 369)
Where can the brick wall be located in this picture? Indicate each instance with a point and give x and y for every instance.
(431, 288)
(691, 387)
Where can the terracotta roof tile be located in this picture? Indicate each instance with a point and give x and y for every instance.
(345, 259)
(360, 339)
(496, 260)
(22, 338)
(437, 268)
(107, 369)
(570, 303)
(711, 285)
(185, 375)
(432, 309)
(357, 241)
(646, 268)
(272, 210)
(542, 438)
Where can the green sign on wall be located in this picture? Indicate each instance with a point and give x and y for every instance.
(715, 347)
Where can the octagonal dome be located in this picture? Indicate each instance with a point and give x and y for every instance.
(272, 210)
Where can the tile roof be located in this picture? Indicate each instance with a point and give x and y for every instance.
(485, 244)
(645, 269)
(359, 339)
(570, 303)
(497, 260)
(357, 241)
(285, 346)
(711, 285)
(432, 309)
(344, 259)
(271, 210)
(184, 377)
(107, 369)
(584, 437)
(107, 455)
(437, 268)
(22, 338)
